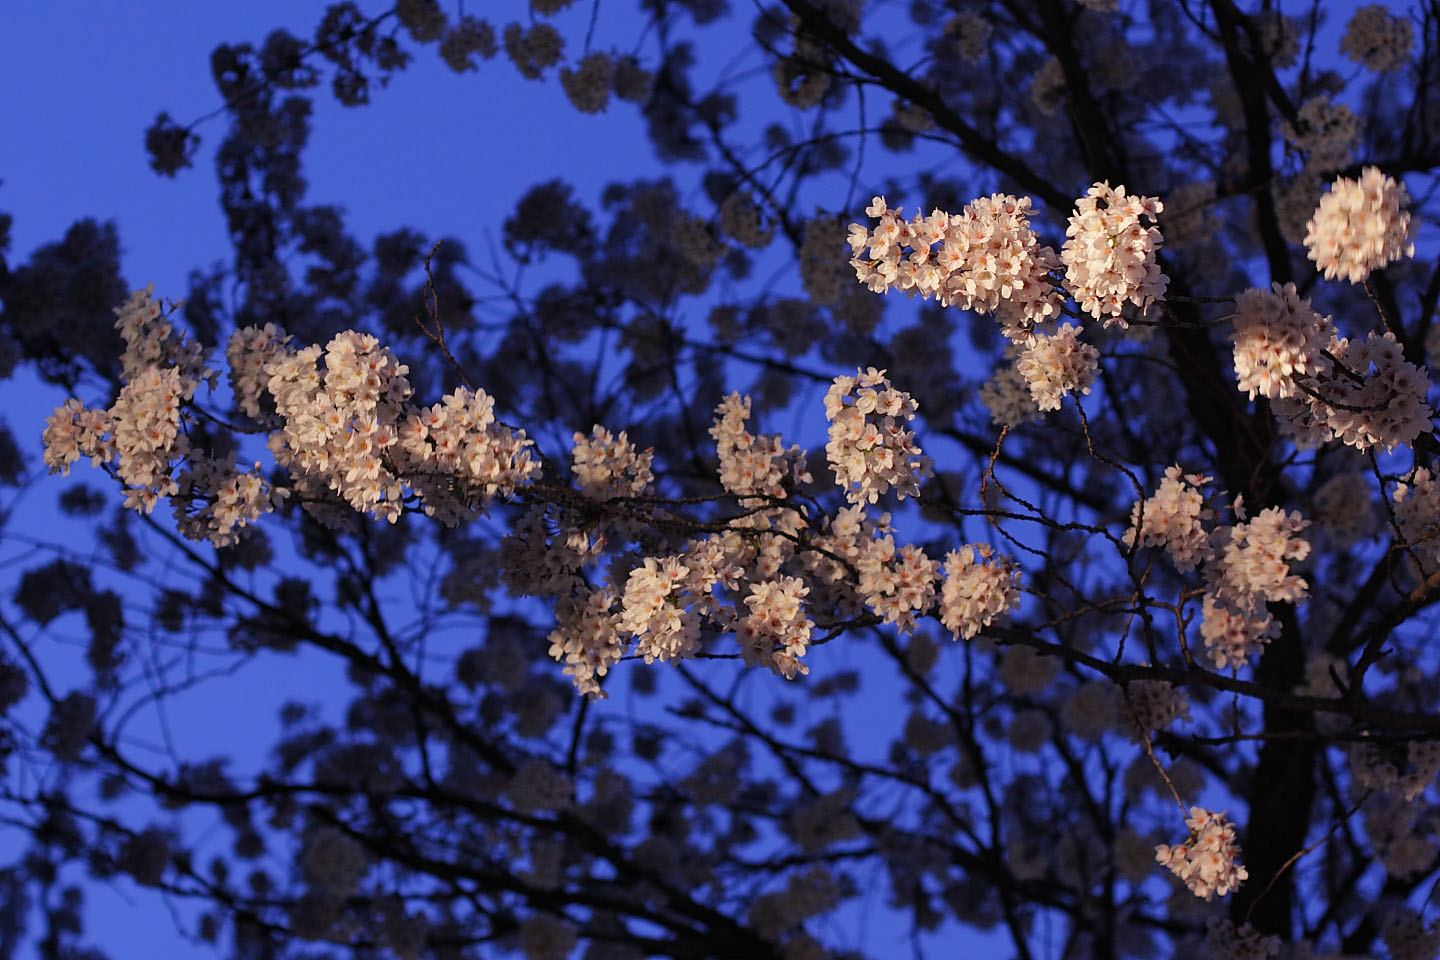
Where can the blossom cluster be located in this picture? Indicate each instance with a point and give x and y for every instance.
(607, 465)
(1327, 132)
(1368, 396)
(871, 449)
(1174, 518)
(1378, 39)
(1208, 862)
(1054, 367)
(1277, 337)
(751, 464)
(988, 260)
(776, 631)
(1417, 513)
(1109, 253)
(978, 588)
(1360, 225)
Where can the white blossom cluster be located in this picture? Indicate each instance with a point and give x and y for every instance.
(607, 465)
(586, 639)
(989, 260)
(1417, 513)
(1225, 941)
(1250, 566)
(348, 430)
(978, 588)
(896, 584)
(870, 449)
(1327, 132)
(1174, 518)
(655, 612)
(1208, 862)
(1109, 253)
(1377, 39)
(1056, 366)
(751, 464)
(351, 431)
(1373, 398)
(776, 631)
(1231, 637)
(1277, 337)
(1360, 225)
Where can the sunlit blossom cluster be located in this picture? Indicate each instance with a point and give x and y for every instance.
(1232, 637)
(776, 630)
(1208, 862)
(977, 590)
(1174, 518)
(871, 449)
(1251, 563)
(1277, 337)
(751, 464)
(1054, 367)
(607, 465)
(1373, 398)
(1360, 226)
(897, 584)
(988, 260)
(1109, 253)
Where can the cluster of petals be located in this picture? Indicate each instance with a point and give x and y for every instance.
(1232, 638)
(1326, 131)
(607, 465)
(776, 630)
(978, 589)
(215, 499)
(985, 258)
(1109, 253)
(870, 448)
(1417, 514)
(1174, 518)
(1251, 565)
(1208, 862)
(1360, 225)
(1056, 366)
(654, 610)
(896, 584)
(351, 430)
(587, 639)
(1277, 337)
(247, 353)
(1407, 774)
(151, 340)
(1373, 397)
(1378, 39)
(750, 464)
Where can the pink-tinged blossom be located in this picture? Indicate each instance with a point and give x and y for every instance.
(751, 464)
(607, 465)
(1375, 398)
(1174, 518)
(978, 589)
(1251, 566)
(1209, 861)
(248, 352)
(985, 258)
(1109, 255)
(775, 632)
(1056, 366)
(1231, 638)
(74, 431)
(1360, 225)
(871, 449)
(1417, 513)
(586, 639)
(896, 584)
(1277, 337)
